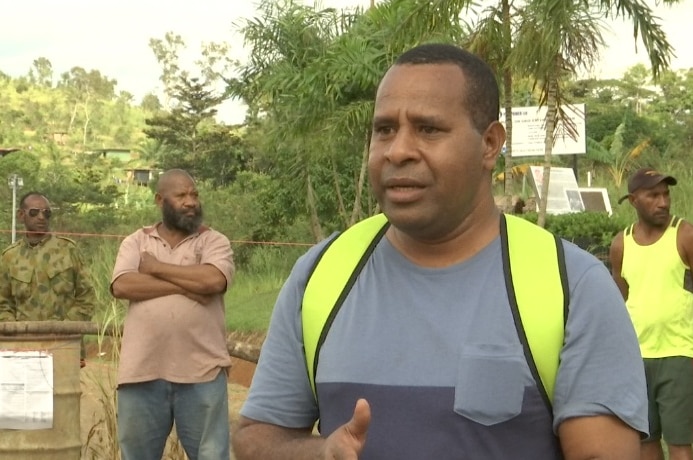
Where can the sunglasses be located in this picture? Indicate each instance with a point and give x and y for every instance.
(33, 212)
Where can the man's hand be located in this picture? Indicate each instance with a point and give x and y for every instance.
(347, 441)
(148, 263)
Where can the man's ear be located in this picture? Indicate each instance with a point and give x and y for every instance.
(494, 139)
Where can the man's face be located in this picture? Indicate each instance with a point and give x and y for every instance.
(653, 204)
(181, 208)
(35, 215)
(428, 163)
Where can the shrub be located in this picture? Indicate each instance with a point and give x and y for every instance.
(592, 231)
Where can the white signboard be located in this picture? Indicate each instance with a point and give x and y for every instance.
(26, 390)
(529, 132)
(596, 199)
(564, 193)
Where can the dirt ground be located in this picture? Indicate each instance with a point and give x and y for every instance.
(97, 381)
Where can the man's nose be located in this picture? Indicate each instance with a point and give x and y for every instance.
(190, 202)
(403, 146)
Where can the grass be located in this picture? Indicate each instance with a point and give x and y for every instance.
(257, 282)
(249, 303)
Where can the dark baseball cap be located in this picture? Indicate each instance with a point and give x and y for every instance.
(646, 178)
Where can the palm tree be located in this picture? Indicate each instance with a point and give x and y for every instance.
(617, 158)
(312, 74)
(549, 40)
(287, 89)
(556, 38)
(491, 38)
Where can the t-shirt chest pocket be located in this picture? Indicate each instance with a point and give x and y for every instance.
(490, 385)
(192, 257)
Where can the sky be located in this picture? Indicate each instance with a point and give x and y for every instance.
(113, 37)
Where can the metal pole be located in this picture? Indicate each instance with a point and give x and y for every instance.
(14, 208)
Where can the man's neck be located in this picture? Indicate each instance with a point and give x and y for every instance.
(34, 239)
(171, 235)
(645, 233)
(473, 235)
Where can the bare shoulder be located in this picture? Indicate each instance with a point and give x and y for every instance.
(685, 229)
(684, 241)
(617, 241)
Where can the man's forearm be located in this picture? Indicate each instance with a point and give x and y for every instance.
(202, 279)
(268, 442)
(139, 286)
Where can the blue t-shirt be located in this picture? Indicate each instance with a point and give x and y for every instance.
(436, 354)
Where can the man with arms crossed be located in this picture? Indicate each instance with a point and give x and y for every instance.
(173, 357)
(650, 262)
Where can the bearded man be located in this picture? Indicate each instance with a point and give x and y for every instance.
(174, 359)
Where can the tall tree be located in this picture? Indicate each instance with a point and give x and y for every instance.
(492, 38)
(558, 37)
(551, 39)
(167, 51)
(86, 92)
(288, 90)
(190, 136)
(634, 85)
(151, 103)
(310, 81)
(41, 72)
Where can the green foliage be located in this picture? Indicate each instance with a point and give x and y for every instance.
(256, 285)
(618, 159)
(189, 138)
(251, 211)
(589, 230)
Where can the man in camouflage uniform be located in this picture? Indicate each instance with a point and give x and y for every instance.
(42, 276)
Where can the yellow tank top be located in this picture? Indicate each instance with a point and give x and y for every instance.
(658, 302)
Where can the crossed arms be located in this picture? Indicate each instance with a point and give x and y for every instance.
(154, 278)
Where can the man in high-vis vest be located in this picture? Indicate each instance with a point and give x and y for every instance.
(651, 262)
(424, 357)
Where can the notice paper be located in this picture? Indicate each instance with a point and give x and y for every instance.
(26, 390)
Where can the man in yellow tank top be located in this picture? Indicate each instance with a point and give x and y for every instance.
(651, 266)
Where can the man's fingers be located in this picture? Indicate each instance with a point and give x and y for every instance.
(360, 421)
(348, 441)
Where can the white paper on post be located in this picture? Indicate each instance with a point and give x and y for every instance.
(26, 390)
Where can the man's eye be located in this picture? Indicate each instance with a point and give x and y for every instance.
(383, 130)
(429, 129)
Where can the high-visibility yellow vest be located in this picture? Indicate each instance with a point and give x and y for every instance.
(535, 280)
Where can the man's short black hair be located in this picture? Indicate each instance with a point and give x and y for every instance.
(482, 96)
(22, 200)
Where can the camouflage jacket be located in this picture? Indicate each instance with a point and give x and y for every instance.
(45, 282)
